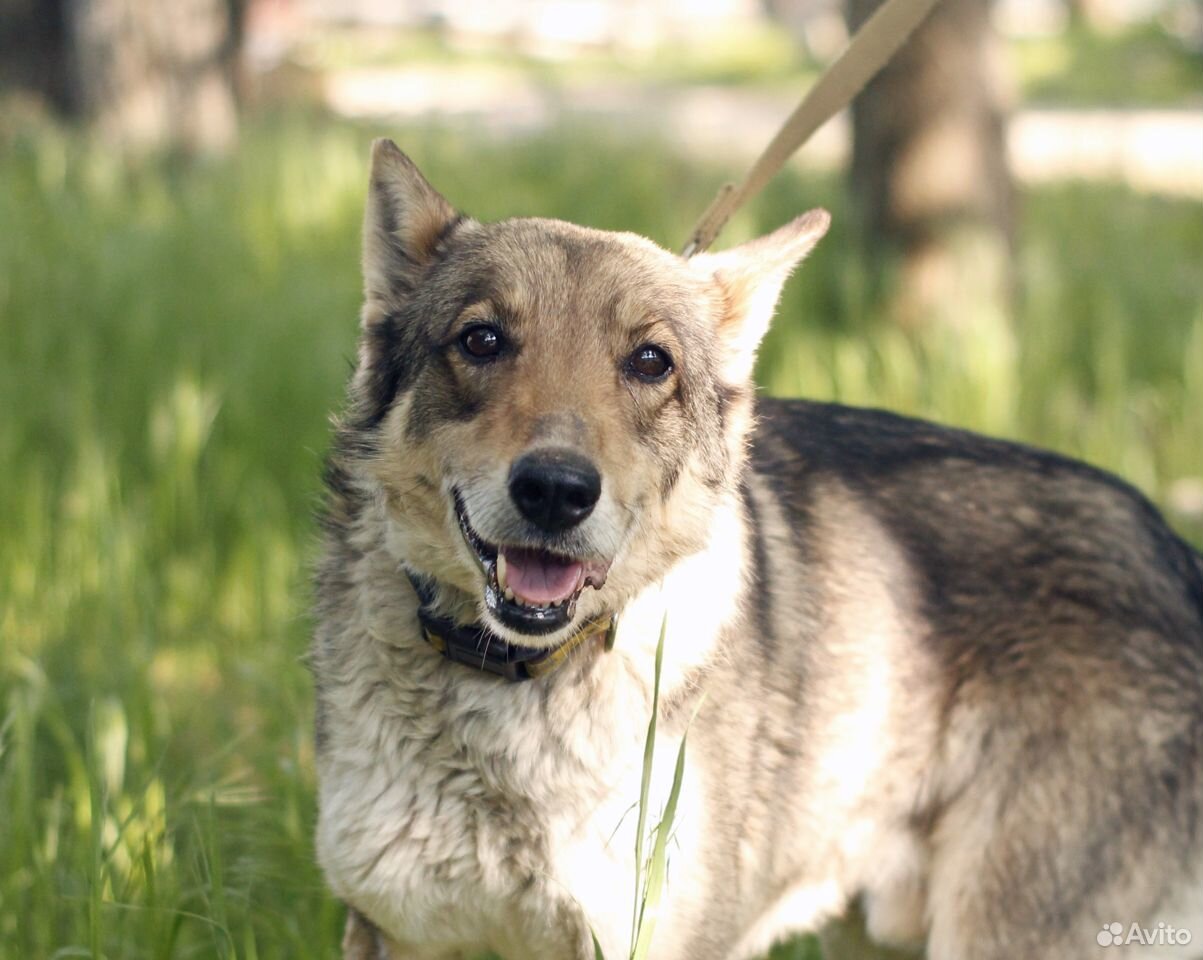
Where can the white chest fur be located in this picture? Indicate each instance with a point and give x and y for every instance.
(440, 839)
(464, 812)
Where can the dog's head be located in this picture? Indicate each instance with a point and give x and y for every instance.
(550, 413)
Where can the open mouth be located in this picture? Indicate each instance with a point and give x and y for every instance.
(528, 589)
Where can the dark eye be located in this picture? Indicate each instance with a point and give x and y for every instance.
(481, 343)
(650, 363)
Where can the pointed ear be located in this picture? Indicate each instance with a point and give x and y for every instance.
(750, 278)
(403, 224)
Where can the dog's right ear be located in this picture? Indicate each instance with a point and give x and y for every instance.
(405, 221)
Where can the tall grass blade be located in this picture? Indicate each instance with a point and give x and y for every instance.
(96, 861)
(645, 783)
(658, 866)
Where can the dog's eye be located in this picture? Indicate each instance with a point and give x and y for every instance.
(481, 342)
(650, 363)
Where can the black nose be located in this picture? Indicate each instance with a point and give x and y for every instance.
(554, 489)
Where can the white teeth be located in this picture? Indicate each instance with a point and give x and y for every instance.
(531, 604)
(501, 580)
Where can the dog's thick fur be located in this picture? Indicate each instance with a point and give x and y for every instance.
(950, 683)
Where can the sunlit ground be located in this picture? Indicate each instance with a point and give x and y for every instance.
(171, 341)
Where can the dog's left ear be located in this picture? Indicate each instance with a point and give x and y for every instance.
(405, 220)
(750, 278)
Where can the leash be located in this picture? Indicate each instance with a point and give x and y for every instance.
(867, 52)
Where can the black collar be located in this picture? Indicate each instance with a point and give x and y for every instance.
(475, 645)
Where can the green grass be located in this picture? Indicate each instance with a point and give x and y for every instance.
(171, 339)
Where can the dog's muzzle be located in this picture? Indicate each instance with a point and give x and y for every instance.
(528, 589)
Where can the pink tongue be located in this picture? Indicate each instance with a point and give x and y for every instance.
(538, 577)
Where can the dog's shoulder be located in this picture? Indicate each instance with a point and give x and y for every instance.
(903, 460)
(980, 515)
(861, 444)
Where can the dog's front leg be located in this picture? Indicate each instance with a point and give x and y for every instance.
(557, 930)
(363, 940)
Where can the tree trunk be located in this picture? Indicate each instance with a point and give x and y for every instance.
(32, 40)
(144, 73)
(153, 73)
(929, 170)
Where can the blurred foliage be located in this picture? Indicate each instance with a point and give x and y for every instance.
(171, 340)
(749, 52)
(1141, 65)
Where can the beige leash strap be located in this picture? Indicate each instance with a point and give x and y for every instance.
(868, 51)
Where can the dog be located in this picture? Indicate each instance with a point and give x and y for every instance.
(942, 686)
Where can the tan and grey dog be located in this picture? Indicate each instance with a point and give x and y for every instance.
(951, 684)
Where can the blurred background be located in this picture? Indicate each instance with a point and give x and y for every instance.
(1018, 248)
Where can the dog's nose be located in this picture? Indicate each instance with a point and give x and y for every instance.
(554, 489)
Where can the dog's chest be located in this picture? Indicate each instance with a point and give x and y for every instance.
(474, 814)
